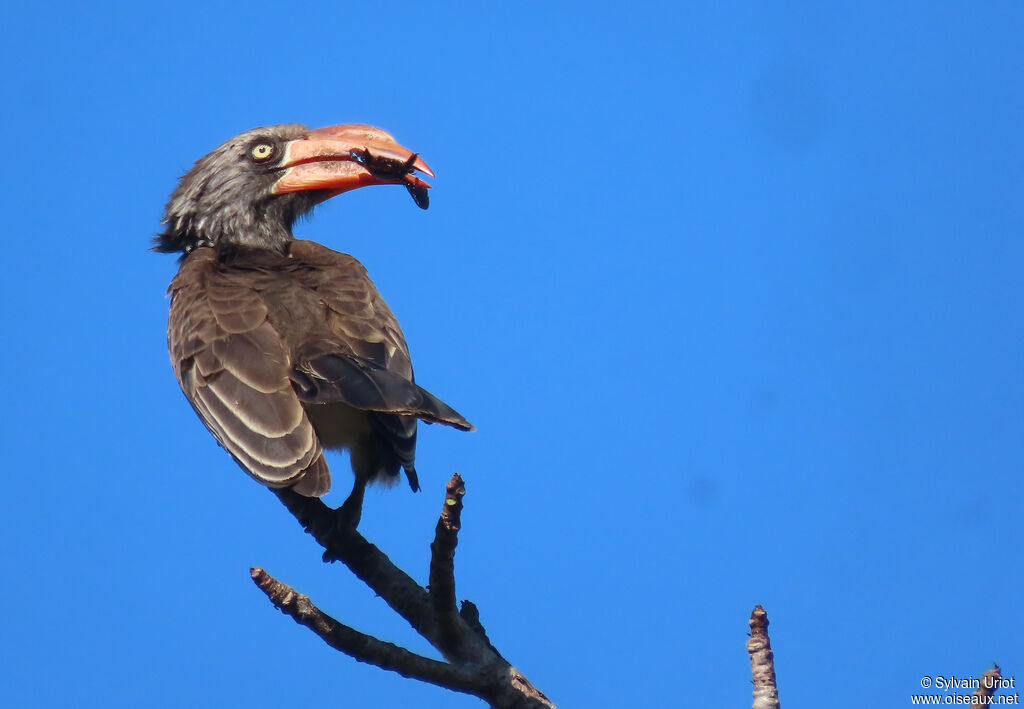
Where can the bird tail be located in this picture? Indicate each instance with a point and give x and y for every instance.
(412, 477)
(433, 410)
(362, 385)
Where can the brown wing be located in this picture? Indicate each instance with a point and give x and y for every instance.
(234, 369)
(257, 337)
(360, 357)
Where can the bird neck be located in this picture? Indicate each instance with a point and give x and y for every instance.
(186, 235)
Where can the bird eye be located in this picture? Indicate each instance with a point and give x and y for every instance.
(262, 152)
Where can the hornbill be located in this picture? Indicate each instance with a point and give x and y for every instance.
(283, 346)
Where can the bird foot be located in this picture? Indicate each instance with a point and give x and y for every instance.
(346, 519)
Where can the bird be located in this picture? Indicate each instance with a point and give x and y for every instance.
(284, 347)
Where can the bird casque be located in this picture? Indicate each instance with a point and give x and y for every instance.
(283, 346)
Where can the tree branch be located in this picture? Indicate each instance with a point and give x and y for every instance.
(442, 564)
(762, 661)
(474, 666)
(362, 647)
(989, 684)
(366, 561)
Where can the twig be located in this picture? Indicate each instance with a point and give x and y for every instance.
(762, 661)
(366, 561)
(362, 647)
(474, 666)
(442, 563)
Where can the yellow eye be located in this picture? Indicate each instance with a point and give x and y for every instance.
(262, 151)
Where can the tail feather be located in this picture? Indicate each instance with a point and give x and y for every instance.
(433, 410)
(333, 377)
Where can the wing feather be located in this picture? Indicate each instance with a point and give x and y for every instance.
(236, 354)
(362, 359)
(257, 337)
(330, 378)
(234, 370)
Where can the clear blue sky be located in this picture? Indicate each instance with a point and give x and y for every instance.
(732, 293)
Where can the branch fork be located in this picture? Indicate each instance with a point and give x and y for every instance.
(472, 665)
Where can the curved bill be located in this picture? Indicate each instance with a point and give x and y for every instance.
(346, 157)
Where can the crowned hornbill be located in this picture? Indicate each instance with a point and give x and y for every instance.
(282, 346)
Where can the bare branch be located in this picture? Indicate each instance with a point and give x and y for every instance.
(362, 647)
(366, 561)
(471, 614)
(474, 666)
(762, 661)
(989, 684)
(442, 564)
(442, 549)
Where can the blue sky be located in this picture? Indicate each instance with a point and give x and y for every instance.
(732, 294)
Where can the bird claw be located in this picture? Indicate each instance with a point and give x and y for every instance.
(346, 517)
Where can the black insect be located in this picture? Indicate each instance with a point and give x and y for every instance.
(419, 195)
(385, 168)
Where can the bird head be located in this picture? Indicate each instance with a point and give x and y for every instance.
(250, 190)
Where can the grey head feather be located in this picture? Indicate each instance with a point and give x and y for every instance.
(225, 199)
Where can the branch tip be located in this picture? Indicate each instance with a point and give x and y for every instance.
(989, 683)
(442, 569)
(762, 661)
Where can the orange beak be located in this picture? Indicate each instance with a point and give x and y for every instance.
(347, 157)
